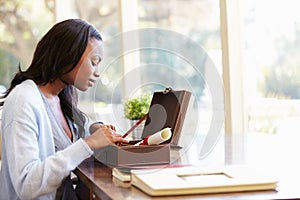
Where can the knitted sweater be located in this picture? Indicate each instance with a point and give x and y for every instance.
(31, 168)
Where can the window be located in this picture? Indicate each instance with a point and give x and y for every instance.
(270, 51)
(271, 46)
(185, 33)
(20, 29)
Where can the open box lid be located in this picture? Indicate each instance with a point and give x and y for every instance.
(167, 109)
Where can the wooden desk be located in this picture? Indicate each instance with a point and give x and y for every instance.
(99, 181)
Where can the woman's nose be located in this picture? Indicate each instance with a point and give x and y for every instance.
(96, 73)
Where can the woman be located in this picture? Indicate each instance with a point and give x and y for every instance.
(45, 136)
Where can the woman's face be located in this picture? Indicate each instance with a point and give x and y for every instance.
(85, 74)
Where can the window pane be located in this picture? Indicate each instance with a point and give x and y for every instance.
(272, 64)
(271, 46)
(104, 15)
(185, 33)
(22, 23)
(198, 20)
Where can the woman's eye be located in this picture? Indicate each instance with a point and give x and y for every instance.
(94, 64)
(95, 61)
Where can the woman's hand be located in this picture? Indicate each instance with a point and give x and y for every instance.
(104, 135)
(96, 126)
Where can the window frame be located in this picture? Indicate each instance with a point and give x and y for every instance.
(233, 73)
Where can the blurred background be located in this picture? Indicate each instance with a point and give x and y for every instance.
(269, 44)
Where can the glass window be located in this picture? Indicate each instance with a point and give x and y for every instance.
(182, 49)
(271, 47)
(104, 15)
(270, 57)
(20, 29)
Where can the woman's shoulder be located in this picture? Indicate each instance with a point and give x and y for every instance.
(26, 88)
(27, 91)
(27, 85)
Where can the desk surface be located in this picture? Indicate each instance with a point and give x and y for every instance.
(98, 178)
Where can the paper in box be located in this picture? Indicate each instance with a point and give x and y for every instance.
(167, 109)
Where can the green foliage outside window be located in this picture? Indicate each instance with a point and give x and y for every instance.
(281, 78)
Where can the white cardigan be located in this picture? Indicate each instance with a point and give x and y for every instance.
(31, 169)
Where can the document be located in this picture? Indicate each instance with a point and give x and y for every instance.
(156, 138)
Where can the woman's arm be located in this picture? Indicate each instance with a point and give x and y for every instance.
(35, 169)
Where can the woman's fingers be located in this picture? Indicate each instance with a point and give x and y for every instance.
(109, 126)
(103, 136)
(117, 137)
(120, 139)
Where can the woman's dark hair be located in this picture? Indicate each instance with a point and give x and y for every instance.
(56, 54)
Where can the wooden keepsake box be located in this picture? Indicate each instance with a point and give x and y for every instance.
(167, 109)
